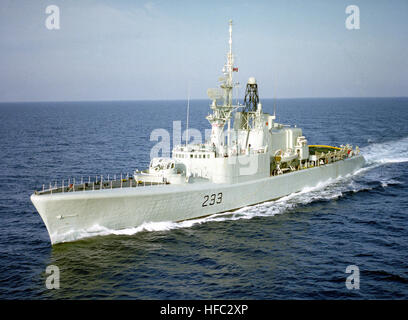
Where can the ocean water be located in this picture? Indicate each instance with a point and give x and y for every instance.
(297, 247)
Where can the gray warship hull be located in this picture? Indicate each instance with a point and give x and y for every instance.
(69, 215)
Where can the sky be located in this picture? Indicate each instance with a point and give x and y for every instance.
(154, 50)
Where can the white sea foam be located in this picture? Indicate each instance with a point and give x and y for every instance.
(376, 154)
(387, 152)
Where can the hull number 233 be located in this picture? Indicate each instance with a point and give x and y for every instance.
(210, 200)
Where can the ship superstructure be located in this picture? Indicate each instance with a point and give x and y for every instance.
(254, 147)
(249, 158)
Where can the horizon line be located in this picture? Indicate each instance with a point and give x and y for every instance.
(185, 99)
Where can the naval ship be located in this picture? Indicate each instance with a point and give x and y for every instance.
(253, 160)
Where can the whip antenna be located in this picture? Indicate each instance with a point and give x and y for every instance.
(188, 113)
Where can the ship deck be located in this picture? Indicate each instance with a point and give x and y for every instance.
(97, 185)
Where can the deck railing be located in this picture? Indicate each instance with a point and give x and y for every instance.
(99, 183)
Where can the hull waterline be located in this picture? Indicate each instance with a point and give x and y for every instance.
(69, 216)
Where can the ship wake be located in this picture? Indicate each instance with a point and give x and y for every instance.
(395, 151)
(376, 155)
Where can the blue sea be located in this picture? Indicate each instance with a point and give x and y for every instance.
(297, 247)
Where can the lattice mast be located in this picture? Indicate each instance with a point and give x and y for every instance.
(251, 103)
(222, 112)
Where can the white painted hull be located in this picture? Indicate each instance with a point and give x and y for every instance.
(117, 209)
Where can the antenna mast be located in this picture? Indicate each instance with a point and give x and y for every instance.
(188, 113)
(230, 56)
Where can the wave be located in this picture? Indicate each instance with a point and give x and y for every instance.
(376, 154)
(394, 151)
